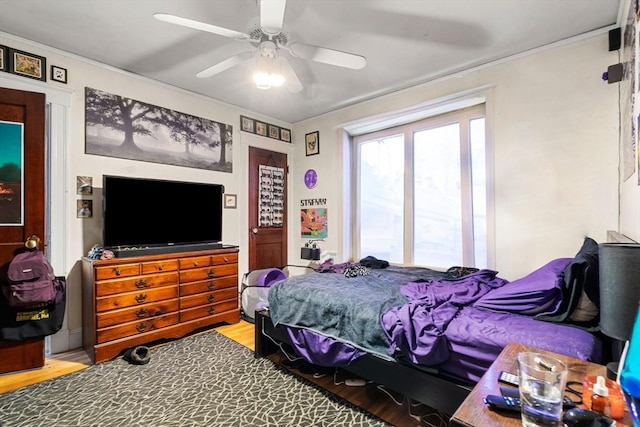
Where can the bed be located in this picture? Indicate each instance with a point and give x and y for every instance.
(428, 334)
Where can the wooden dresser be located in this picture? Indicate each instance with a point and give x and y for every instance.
(137, 300)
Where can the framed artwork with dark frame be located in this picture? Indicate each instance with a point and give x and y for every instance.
(285, 135)
(274, 132)
(58, 74)
(27, 64)
(4, 66)
(312, 143)
(261, 128)
(230, 201)
(247, 124)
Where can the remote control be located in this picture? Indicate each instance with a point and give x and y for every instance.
(502, 403)
(509, 378)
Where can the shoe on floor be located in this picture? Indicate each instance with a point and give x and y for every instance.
(139, 355)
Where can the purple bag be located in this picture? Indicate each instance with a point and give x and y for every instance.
(31, 281)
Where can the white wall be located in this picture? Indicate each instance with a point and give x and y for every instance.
(554, 130)
(82, 234)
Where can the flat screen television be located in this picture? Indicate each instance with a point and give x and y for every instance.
(141, 213)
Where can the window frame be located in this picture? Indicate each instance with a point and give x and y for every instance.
(464, 116)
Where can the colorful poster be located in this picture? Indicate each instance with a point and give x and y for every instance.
(11, 173)
(314, 223)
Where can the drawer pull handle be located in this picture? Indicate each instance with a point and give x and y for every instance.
(161, 267)
(118, 272)
(141, 284)
(211, 298)
(211, 286)
(226, 259)
(211, 273)
(211, 310)
(142, 327)
(141, 298)
(141, 313)
(195, 263)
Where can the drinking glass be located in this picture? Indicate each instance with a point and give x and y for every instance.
(630, 373)
(542, 382)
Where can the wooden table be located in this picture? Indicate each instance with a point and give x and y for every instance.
(474, 412)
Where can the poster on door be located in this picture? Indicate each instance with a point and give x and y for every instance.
(11, 173)
(271, 204)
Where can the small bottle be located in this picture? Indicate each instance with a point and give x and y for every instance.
(600, 399)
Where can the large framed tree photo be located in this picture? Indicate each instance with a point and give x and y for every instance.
(126, 128)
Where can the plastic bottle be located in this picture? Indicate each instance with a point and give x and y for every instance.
(600, 399)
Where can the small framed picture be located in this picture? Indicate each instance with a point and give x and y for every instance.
(27, 64)
(261, 128)
(274, 132)
(3, 58)
(230, 201)
(285, 135)
(84, 185)
(247, 124)
(58, 74)
(312, 143)
(84, 208)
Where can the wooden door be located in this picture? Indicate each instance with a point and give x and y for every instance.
(267, 242)
(22, 200)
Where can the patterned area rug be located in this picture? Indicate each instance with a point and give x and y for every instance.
(202, 380)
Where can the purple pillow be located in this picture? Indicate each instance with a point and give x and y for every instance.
(540, 292)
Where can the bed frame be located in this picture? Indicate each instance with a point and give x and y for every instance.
(437, 391)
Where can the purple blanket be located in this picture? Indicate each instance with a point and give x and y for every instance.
(416, 330)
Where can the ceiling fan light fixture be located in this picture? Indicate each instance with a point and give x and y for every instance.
(268, 72)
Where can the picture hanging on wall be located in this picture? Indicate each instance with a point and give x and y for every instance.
(134, 130)
(84, 185)
(3, 58)
(313, 222)
(27, 64)
(84, 208)
(312, 143)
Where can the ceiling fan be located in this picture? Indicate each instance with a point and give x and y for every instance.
(269, 38)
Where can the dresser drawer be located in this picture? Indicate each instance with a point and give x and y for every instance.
(209, 285)
(145, 311)
(204, 261)
(131, 299)
(208, 272)
(208, 298)
(115, 271)
(159, 266)
(140, 283)
(224, 259)
(207, 310)
(136, 328)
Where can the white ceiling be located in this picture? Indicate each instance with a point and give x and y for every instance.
(405, 42)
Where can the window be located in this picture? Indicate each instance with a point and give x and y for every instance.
(422, 192)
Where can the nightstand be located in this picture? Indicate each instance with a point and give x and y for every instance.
(474, 412)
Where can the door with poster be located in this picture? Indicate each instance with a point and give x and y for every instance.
(22, 202)
(267, 213)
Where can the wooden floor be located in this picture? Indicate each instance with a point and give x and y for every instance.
(391, 408)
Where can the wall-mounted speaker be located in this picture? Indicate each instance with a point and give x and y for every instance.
(615, 39)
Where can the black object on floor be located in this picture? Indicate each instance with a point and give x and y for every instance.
(139, 355)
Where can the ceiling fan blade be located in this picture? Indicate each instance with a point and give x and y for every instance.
(272, 15)
(190, 23)
(225, 65)
(292, 82)
(328, 56)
